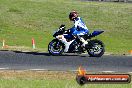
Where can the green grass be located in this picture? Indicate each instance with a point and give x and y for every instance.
(20, 83)
(22, 20)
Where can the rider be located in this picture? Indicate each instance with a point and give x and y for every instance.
(78, 29)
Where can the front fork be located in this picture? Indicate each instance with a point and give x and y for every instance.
(57, 45)
(59, 37)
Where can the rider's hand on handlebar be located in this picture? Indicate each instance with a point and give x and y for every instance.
(67, 31)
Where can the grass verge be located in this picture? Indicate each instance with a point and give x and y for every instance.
(47, 79)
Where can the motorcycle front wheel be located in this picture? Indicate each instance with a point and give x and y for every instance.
(55, 47)
(96, 48)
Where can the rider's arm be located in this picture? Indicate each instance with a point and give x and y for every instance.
(74, 31)
(75, 28)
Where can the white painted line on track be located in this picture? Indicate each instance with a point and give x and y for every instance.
(4, 68)
(97, 71)
(38, 69)
(107, 71)
(7, 68)
(130, 72)
(73, 70)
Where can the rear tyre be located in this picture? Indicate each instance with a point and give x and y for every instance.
(55, 47)
(96, 48)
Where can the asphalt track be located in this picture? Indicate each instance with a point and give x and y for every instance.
(16, 60)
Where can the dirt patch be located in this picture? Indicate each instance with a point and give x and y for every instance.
(37, 75)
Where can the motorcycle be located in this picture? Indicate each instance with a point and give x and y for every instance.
(95, 48)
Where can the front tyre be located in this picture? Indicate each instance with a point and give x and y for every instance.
(55, 47)
(96, 48)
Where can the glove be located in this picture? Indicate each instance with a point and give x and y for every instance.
(67, 31)
(62, 25)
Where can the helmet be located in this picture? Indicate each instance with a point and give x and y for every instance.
(73, 15)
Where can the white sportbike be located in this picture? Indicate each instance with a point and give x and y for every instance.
(95, 48)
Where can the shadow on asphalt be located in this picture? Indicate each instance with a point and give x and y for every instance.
(45, 54)
(34, 53)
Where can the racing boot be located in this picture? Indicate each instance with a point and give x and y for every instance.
(83, 41)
